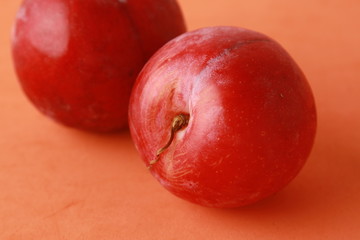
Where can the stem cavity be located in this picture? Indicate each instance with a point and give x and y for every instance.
(179, 121)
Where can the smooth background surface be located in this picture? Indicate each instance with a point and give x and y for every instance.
(60, 183)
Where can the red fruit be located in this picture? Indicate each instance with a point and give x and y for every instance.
(222, 116)
(77, 60)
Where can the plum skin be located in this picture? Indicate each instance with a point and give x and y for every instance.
(77, 60)
(252, 116)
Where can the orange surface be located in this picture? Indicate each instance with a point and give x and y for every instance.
(60, 183)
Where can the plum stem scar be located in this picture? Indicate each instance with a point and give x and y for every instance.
(179, 121)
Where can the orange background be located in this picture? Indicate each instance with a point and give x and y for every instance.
(60, 183)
